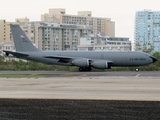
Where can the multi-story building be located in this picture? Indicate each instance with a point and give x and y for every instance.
(147, 29)
(104, 25)
(4, 31)
(5, 34)
(22, 20)
(53, 36)
(47, 36)
(99, 43)
(31, 30)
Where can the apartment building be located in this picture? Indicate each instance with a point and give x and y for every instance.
(5, 34)
(22, 20)
(4, 31)
(54, 36)
(98, 24)
(47, 36)
(104, 43)
(147, 29)
(31, 30)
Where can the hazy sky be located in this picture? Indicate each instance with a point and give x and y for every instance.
(122, 12)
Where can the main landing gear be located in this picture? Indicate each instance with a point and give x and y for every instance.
(85, 69)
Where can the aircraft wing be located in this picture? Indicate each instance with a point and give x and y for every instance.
(63, 59)
(66, 59)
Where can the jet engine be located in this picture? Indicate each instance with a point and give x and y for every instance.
(81, 62)
(100, 64)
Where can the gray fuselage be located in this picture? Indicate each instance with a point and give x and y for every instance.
(117, 58)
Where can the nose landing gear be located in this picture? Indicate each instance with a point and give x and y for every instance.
(137, 69)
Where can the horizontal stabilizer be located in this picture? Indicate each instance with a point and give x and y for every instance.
(16, 54)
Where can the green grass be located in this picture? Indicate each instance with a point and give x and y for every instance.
(21, 76)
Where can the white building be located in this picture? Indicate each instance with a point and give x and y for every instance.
(98, 43)
(6, 46)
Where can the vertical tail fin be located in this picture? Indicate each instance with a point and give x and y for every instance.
(21, 41)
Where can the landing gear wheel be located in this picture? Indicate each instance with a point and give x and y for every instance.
(81, 69)
(88, 69)
(84, 69)
(137, 69)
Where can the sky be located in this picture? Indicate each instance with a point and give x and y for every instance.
(122, 12)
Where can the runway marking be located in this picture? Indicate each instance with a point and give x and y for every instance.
(137, 75)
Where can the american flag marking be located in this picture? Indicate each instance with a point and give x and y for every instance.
(22, 36)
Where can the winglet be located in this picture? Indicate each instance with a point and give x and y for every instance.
(21, 41)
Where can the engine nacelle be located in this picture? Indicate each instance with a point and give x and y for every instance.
(81, 62)
(100, 64)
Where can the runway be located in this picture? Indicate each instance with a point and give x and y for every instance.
(80, 95)
(109, 73)
(133, 86)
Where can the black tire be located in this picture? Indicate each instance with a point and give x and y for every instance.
(89, 69)
(80, 69)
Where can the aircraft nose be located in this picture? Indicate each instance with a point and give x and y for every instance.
(154, 59)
